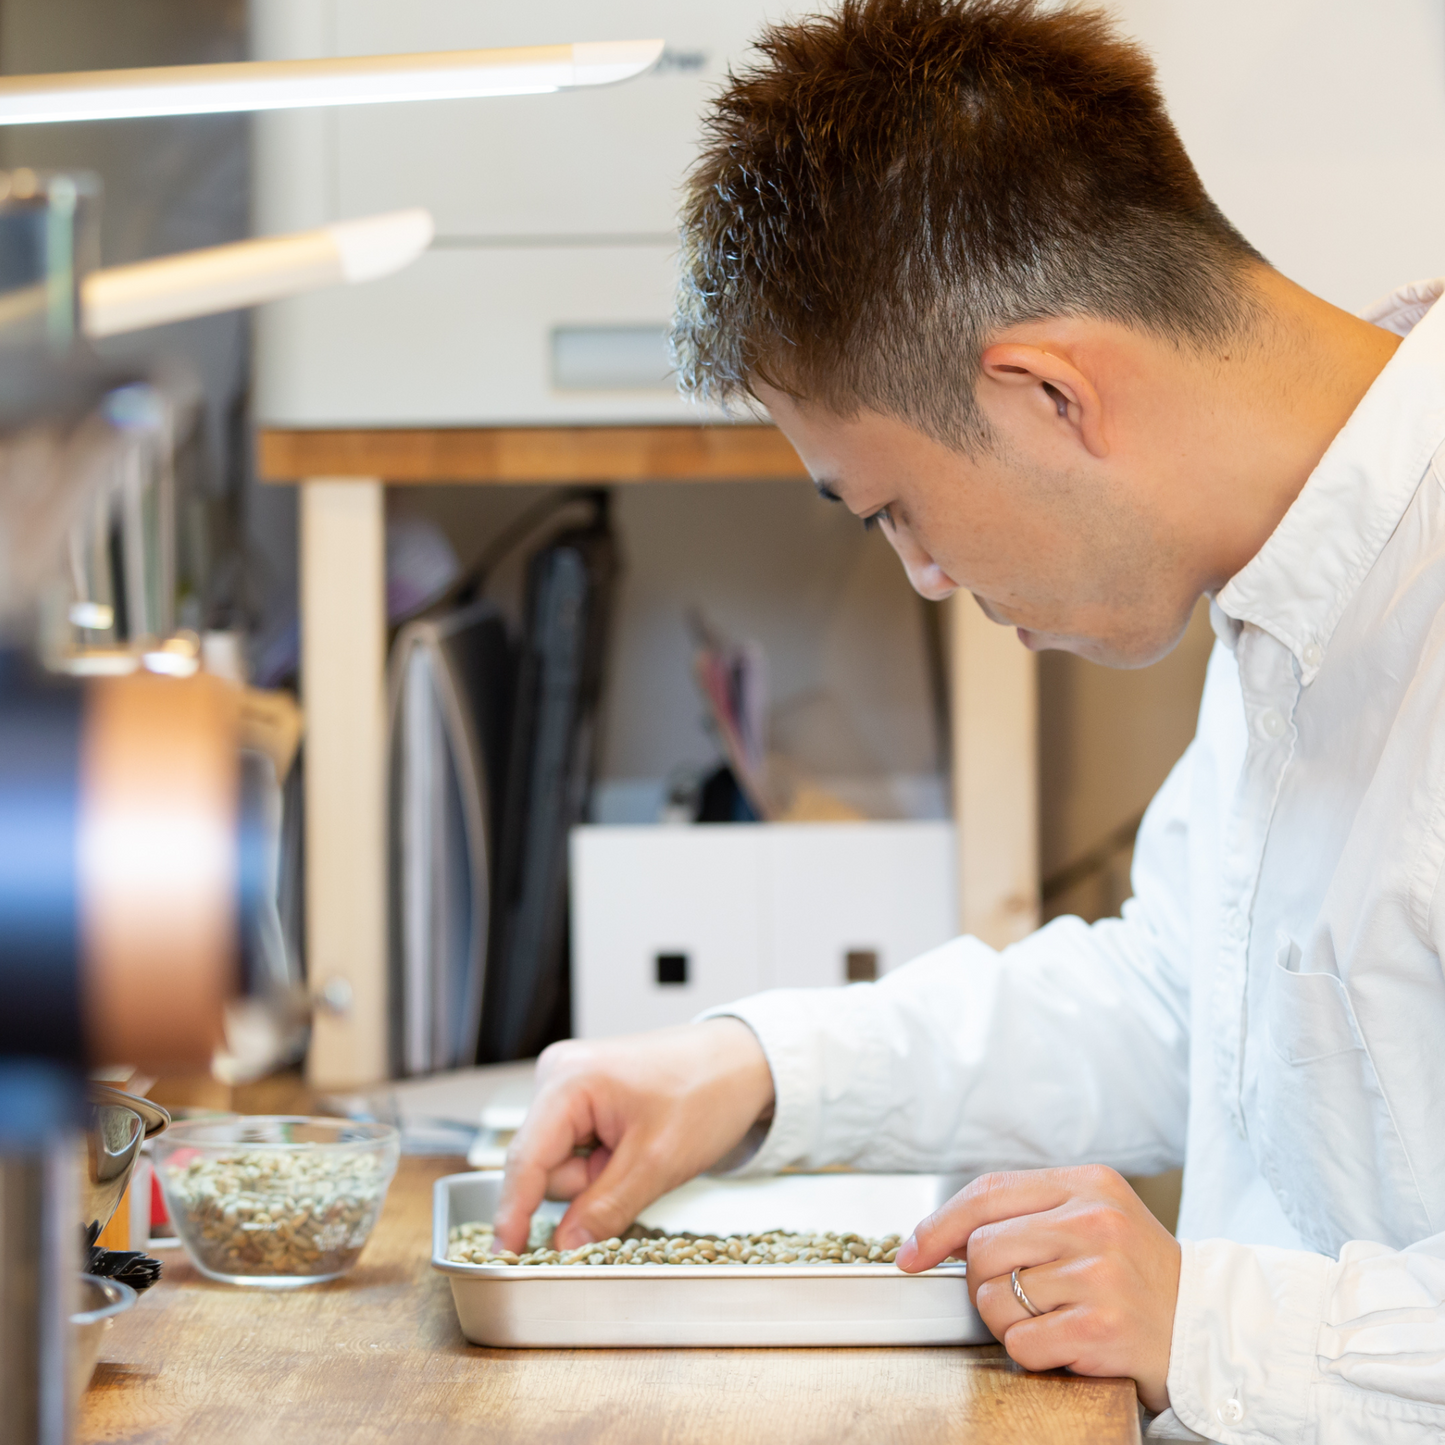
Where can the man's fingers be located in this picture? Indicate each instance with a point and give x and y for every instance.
(1022, 1243)
(1054, 1341)
(568, 1180)
(989, 1199)
(574, 1174)
(623, 1189)
(523, 1189)
(553, 1128)
(1045, 1286)
(700, 1085)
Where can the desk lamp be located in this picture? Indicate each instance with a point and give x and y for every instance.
(345, 80)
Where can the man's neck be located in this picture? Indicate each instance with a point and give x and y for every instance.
(1284, 400)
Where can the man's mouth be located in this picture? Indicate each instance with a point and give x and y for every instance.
(992, 612)
(1031, 638)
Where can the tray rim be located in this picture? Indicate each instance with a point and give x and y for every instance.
(676, 1272)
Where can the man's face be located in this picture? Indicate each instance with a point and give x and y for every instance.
(1071, 552)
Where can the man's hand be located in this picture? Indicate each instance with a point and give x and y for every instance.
(655, 1109)
(1103, 1272)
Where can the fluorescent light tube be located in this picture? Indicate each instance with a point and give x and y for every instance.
(292, 84)
(224, 278)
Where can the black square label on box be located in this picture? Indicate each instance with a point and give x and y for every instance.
(671, 968)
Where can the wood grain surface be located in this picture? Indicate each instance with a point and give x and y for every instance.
(531, 454)
(378, 1357)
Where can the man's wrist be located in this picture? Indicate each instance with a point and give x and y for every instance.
(743, 1064)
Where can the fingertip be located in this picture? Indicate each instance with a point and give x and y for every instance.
(503, 1223)
(508, 1230)
(907, 1257)
(579, 1225)
(572, 1236)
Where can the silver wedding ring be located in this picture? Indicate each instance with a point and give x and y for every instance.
(1022, 1298)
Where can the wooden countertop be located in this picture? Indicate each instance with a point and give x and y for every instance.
(378, 1357)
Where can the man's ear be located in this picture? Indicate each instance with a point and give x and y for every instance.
(1054, 389)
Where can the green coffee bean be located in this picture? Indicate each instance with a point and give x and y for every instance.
(476, 1244)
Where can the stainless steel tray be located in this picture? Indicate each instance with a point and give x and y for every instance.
(798, 1304)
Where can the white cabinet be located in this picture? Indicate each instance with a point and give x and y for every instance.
(556, 214)
(667, 921)
(466, 337)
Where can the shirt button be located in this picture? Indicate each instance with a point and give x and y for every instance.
(1231, 1412)
(1311, 655)
(1272, 723)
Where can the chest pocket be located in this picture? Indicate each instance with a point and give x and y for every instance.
(1323, 1135)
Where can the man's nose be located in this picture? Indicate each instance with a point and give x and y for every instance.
(925, 576)
(930, 580)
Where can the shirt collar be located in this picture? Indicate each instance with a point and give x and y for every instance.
(1299, 583)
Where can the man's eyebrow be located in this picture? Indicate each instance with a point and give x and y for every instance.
(825, 490)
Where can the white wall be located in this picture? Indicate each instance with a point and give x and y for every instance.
(1317, 125)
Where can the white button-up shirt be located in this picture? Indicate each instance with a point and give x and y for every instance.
(1270, 1009)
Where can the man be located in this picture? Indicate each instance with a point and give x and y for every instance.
(957, 250)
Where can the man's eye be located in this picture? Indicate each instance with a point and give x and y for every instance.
(881, 515)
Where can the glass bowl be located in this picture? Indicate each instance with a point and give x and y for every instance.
(275, 1200)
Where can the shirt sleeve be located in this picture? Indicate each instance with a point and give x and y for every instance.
(1274, 1345)
(1069, 1047)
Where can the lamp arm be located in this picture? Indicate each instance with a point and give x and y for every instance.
(246, 273)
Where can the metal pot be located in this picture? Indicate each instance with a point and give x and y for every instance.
(118, 1124)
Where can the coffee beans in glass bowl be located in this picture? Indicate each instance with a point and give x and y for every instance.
(275, 1200)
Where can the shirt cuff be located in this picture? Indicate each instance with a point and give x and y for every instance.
(799, 1030)
(1243, 1362)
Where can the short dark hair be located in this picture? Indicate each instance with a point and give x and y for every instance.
(893, 183)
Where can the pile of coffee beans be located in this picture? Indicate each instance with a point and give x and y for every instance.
(476, 1244)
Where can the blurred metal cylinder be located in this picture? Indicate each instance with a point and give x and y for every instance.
(39, 1248)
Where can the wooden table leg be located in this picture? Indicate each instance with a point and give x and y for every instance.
(343, 661)
(993, 710)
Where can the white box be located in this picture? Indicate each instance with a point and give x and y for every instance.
(747, 907)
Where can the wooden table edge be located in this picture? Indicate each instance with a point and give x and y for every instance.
(539, 455)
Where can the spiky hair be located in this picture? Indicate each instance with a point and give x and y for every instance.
(891, 183)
